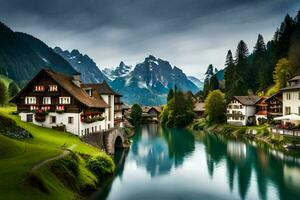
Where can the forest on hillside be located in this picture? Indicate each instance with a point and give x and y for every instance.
(266, 69)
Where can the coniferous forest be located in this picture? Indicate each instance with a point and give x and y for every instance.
(264, 70)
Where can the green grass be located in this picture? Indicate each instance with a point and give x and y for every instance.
(17, 158)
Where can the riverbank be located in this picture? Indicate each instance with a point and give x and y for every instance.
(258, 133)
(48, 164)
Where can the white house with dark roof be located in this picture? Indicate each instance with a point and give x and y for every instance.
(56, 100)
(291, 97)
(241, 110)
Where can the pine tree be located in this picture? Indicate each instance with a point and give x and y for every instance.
(260, 65)
(13, 89)
(170, 94)
(242, 71)
(229, 75)
(3, 93)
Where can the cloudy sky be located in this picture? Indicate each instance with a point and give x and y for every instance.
(191, 34)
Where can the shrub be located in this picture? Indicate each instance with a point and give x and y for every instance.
(101, 165)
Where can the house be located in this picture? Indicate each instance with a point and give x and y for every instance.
(241, 110)
(110, 97)
(291, 97)
(199, 109)
(56, 100)
(151, 114)
(274, 103)
(261, 110)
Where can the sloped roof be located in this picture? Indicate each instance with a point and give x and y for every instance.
(296, 78)
(248, 100)
(294, 87)
(277, 95)
(101, 88)
(199, 107)
(66, 82)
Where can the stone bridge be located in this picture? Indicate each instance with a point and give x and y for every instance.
(108, 140)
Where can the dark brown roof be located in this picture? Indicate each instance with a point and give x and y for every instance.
(248, 100)
(277, 95)
(66, 83)
(101, 88)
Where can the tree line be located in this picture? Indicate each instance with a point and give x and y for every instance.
(266, 69)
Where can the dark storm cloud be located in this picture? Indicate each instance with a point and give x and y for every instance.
(189, 33)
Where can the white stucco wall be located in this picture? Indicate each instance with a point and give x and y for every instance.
(77, 127)
(294, 102)
(60, 119)
(246, 111)
(112, 109)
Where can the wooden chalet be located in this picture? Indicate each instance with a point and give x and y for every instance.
(56, 100)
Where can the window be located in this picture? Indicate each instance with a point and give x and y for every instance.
(70, 120)
(30, 100)
(287, 110)
(39, 88)
(298, 110)
(53, 88)
(288, 96)
(109, 109)
(92, 129)
(64, 100)
(299, 96)
(52, 119)
(46, 100)
(81, 132)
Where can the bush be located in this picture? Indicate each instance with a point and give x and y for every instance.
(101, 165)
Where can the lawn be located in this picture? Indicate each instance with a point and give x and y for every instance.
(19, 156)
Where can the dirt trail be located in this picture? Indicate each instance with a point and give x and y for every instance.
(65, 153)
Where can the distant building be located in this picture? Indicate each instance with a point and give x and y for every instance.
(199, 109)
(241, 110)
(59, 101)
(151, 114)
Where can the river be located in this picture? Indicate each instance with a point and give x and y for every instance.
(179, 164)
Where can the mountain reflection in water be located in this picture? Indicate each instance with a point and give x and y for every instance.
(179, 164)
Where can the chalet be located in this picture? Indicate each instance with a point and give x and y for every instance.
(199, 109)
(151, 114)
(274, 103)
(261, 110)
(112, 98)
(291, 97)
(56, 100)
(241, 110)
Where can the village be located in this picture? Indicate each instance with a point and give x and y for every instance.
(61, 102)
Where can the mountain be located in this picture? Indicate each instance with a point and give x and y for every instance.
(150, 81)
(120, 71)
(22, 56)
(90, 72)
(197, 82)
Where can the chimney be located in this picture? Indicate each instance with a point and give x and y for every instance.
(76, 79)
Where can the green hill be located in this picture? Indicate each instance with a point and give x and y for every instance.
(19, 157)
(5, 80)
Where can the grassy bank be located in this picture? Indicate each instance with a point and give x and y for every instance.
(260, 133)
(19, 156)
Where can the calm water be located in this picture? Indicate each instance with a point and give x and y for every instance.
(177, 164)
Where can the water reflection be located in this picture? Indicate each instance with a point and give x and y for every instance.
(162, 150)
(177, 164)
